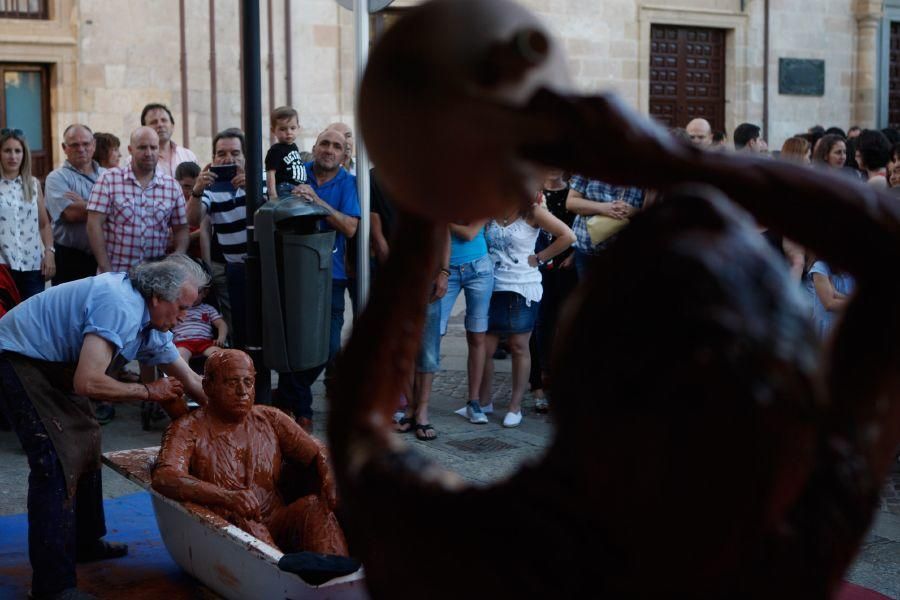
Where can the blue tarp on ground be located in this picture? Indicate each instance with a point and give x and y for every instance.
(147, 572)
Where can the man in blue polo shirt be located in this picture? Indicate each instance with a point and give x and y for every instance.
(331, 187)
(55, 351)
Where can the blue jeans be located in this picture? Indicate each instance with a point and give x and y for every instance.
(476, 278)
(583, 262)
(295, 388)
(29, 283)
(56, 523)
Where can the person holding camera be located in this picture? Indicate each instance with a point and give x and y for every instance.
(219, 192)
(132, 208)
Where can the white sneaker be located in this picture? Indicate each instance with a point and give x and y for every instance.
(512, 419)
(488, 409)
(475, 414)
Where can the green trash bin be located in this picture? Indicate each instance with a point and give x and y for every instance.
(295, 268)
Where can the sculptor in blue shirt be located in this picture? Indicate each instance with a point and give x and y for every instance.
(55, 351)
(331, 187)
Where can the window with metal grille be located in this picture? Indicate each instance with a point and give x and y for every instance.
(23, 9)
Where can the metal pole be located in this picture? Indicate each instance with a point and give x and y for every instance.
(213, 88)
(251, 92)
(182, 59)
(361, 15)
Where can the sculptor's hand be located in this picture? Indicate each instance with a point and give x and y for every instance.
(165, 390)
(244, 503)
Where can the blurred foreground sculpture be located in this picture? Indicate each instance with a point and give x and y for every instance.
(705, 447)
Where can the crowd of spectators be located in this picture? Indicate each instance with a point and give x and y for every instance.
(97, 213)
(105, 214)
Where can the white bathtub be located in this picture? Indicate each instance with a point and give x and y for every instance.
(233, 563)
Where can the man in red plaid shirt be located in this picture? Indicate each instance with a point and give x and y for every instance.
(132, 208)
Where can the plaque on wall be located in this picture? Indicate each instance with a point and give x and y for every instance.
(801, 76)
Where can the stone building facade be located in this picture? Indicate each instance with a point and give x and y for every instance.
(99, 62)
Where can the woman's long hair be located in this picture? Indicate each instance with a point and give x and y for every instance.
(795, 149)
(25, 167)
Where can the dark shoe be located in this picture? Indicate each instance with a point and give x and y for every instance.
(66, 594)
(426, 433)
(306, 423)
(100, 550)
(105, 412)
(405, 425)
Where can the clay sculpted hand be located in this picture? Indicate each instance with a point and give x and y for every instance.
(243, 503)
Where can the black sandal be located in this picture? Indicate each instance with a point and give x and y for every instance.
(421, 432)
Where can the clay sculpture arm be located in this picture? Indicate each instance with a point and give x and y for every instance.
(301, 448)
(856, 442)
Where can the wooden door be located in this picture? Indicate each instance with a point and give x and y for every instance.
(687, 75)
(894, 77)
(25, 105)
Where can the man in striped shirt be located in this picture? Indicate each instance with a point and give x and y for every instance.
(227, 212)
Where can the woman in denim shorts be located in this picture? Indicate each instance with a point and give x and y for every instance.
(517, 292)
(471, 272)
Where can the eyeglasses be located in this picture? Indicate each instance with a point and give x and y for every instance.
(12, 132)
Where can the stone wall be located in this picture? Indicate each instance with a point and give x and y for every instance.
(108, 61)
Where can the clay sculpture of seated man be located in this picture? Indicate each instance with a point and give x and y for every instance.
(228, 456)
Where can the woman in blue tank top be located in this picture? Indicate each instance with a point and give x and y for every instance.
(470, 271)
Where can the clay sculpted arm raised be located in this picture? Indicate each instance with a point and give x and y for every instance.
(173, 479)
(303, 449)
(860, 429)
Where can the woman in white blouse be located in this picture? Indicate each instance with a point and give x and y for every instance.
(517, 291)
(26, 239)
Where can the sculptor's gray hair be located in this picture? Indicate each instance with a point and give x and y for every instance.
(164, 278)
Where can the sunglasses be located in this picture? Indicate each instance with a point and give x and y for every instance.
(12, 132)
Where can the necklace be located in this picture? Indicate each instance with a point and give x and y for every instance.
(510, 217)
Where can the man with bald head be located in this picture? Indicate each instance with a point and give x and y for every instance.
(333, 188)
(67, 190)
(700, 133)
(132, 208)
(348, 163)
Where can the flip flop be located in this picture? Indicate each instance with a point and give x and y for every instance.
(405, 425)
(422, 432)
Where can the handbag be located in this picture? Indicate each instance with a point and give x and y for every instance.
(601, 228)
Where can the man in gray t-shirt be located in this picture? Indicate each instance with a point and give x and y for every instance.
(67, 191)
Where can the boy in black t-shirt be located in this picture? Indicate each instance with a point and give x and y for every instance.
(284, 167)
